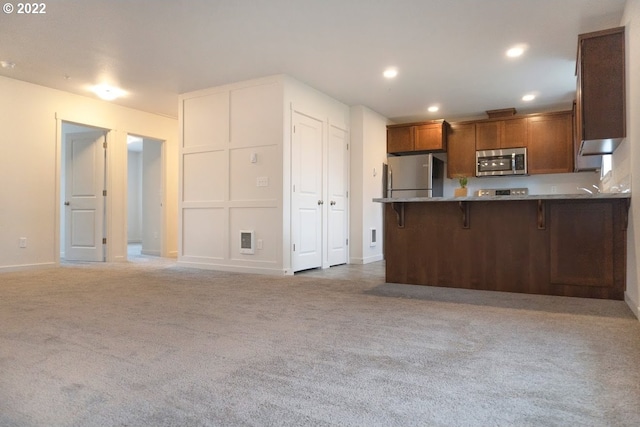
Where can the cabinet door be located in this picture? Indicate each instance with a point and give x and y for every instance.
(431, 137)
(461, 150)
(582, 237)
(602, 81)
(400, 139)
(488, 135)
(513, 133)
(550, 146)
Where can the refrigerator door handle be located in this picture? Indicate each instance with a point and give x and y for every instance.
(389, 181)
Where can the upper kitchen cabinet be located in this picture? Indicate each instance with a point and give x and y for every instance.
(461, 150)
(495, 134)
(600, 106)
(417, 137)
(582, 163)
(550, 143)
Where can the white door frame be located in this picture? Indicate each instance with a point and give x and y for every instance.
(58, 205)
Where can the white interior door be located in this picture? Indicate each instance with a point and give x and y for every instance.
(306, 197)
(337, 193)
(84, 200)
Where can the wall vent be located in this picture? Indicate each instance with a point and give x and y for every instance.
(247, 243)
(373, 237)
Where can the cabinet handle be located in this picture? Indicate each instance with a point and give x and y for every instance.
(332, 203)
(320, 202)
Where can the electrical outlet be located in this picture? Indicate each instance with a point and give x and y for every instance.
(262, 181)
(259, 243)
(554, 189)
(23, 242)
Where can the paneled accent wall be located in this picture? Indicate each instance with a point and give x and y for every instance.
(236, 174)
(231, 176)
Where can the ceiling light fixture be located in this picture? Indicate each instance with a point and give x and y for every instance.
(433, 109)
(8, 64)
(106, 92)
(529, 97)
(516, 51)
(390, 73)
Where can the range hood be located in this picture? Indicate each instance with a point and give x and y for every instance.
(597, 147)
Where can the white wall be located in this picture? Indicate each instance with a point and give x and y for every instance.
(368, 153)
(626, 159)
(134, 197)
(30, 144)
(152, 197)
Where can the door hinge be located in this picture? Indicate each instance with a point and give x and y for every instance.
(294, 247)
(294, 188)
(294, 128)
(347, 242)
(104, 240)
(104, 193)
(104, 144)
(347, 146)
(347, 196)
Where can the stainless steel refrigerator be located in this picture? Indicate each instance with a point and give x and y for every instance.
(420, 175)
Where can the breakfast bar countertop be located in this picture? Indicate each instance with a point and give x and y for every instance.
(579, 196)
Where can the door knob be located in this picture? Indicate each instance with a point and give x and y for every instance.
(320, 202)
(67, 203)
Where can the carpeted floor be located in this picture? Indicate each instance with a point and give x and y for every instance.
(149, 343)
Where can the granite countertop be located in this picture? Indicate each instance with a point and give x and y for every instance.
(491, 198)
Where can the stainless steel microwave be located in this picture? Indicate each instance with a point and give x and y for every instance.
(506, 161)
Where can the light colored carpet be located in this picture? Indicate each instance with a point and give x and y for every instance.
(149, 343)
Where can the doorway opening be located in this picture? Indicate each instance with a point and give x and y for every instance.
(83, 193)
(145, 196)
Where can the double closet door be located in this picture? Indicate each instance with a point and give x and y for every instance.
(319, 193)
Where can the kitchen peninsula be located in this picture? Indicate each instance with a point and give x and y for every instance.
(568, 245)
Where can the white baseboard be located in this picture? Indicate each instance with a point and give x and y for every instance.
(633, 305)
(153, 253)
(26, 267)
(234, 268)
(366, 260)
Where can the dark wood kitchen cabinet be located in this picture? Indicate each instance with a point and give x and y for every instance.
(583, 244)
(496, 134)
(550, 143)
(600, 95)
(417, 137)
(461, 150)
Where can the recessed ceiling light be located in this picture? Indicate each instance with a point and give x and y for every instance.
(529, 97)
(106, 92)
(516, 51)
(433, 108)
(7, 64)
(390, 73)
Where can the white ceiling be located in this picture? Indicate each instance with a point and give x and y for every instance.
(448, 52)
